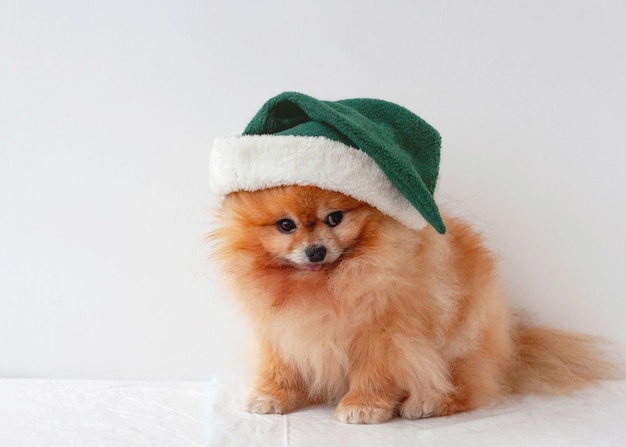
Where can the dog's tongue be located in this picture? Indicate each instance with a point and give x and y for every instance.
(314, 267)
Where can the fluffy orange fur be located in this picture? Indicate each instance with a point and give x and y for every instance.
(390, 322)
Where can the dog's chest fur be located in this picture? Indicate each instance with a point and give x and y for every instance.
(317, 345)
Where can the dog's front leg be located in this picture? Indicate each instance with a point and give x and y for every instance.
(278, 388)
(374, 393)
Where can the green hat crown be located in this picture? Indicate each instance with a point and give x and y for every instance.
(405, 147)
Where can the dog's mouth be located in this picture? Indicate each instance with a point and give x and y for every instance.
(314, 267)
(309, 266)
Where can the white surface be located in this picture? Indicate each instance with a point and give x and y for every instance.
(108, 110)
(36, 413)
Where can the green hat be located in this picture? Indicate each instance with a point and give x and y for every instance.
(373, 150)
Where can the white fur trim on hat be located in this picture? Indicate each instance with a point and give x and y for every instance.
(253, 162)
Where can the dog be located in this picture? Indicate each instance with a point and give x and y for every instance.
(350, 307)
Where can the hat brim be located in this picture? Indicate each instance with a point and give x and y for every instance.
(255, 162)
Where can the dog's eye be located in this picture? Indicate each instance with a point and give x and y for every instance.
(334, 219)
(286, 226)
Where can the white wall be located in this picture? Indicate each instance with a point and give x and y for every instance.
(108, 111)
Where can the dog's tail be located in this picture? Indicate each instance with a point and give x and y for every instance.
(557, 362)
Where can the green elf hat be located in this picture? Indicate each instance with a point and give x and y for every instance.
(373, 150)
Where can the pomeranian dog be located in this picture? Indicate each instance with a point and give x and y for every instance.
(348, 306)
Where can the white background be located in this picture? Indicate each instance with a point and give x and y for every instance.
(108, 111)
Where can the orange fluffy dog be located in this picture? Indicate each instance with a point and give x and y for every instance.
(351, 307)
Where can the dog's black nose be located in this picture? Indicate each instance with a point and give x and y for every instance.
(315, 253)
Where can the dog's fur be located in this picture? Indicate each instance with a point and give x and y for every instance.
(392, 321)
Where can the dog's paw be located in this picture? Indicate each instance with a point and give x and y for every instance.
(363, 414)
(414, 408)
(263, 404)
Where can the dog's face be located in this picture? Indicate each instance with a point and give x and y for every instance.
(302, 227)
